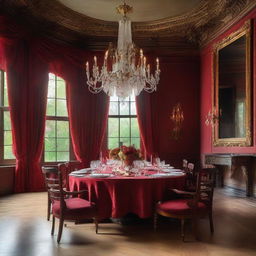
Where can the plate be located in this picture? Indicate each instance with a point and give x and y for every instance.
(77, 175)
(100, 175)
(83, 171)
(158, 175)
(169, 170)
(149, 168)
(176, 170)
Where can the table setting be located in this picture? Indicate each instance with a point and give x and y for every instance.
(119, 187)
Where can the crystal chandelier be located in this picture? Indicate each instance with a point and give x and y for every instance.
(125, 70)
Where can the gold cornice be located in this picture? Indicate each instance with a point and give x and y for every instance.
(197, 27)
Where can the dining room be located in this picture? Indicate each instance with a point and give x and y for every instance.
(127, 127)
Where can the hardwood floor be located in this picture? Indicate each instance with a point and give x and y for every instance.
(24, 231)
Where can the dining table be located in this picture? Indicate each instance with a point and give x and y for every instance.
(116, 194)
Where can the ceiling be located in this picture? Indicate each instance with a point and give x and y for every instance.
(174, 26)
(143, 10)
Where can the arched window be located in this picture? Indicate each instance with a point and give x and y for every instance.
(57, 136)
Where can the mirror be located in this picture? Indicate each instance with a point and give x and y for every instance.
(232, 94)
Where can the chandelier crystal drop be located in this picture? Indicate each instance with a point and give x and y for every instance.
(125, 70)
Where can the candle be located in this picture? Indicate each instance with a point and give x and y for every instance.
(87, 65)
(95, 60)
(106, 55)
(157, 64)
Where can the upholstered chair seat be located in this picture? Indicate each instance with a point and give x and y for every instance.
(179, 207)
(75, 209)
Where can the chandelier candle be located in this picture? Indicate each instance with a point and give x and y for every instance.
(124, 71)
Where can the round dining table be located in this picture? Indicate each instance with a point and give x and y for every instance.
(116, 196)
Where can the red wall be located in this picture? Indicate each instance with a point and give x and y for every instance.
(207, 90)
(180, 81)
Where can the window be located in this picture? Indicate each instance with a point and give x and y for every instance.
(57, 139)
(6, 154)
(122, 123)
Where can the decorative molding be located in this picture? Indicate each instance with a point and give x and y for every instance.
(196, 28)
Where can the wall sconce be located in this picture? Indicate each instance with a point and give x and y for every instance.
(177, 117)
(213, 117)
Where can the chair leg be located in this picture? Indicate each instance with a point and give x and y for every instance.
(96, 225)
(211, 222)
(53, 225)
(61, 222)
(48, 208)
(155, 221)
(182, 229)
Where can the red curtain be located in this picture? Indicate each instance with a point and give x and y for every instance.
(27, 61)
(88, 115)
(144, 113)
(27, 80)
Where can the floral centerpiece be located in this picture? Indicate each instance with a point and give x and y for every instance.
(126, 154)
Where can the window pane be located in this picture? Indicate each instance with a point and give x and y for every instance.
(113, 127)
(134, 128)
(133, 108)
(50, 130)
(57, 139)
(62, 156)
(121, 129)
(61, 89)
(132, 98)
(50, 144)
(125, 141)
(124, 127)
(7, 121)
(113, 143)
(50, 156)
(8, 152)
(5, 103)
(135, 142)
(61, 108)
(50, 107)
(52, 76)
(62, 144)
(113, 108)
(124, 108)
(63, 129)
(51, 88)
(7, 138)
(114, 98)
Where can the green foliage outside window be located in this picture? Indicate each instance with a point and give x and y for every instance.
(57, 138)
(122, 123)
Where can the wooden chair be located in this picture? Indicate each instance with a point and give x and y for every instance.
(191, 178)
(70, 167)
(65, 207)
(198, 205)
(51, 180)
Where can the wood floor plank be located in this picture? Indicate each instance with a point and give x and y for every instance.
(24, 231)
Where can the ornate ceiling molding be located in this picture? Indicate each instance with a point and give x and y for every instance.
(190, 30)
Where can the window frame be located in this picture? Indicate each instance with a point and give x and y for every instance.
(119, 116)
(3, 109)
(57, 118)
